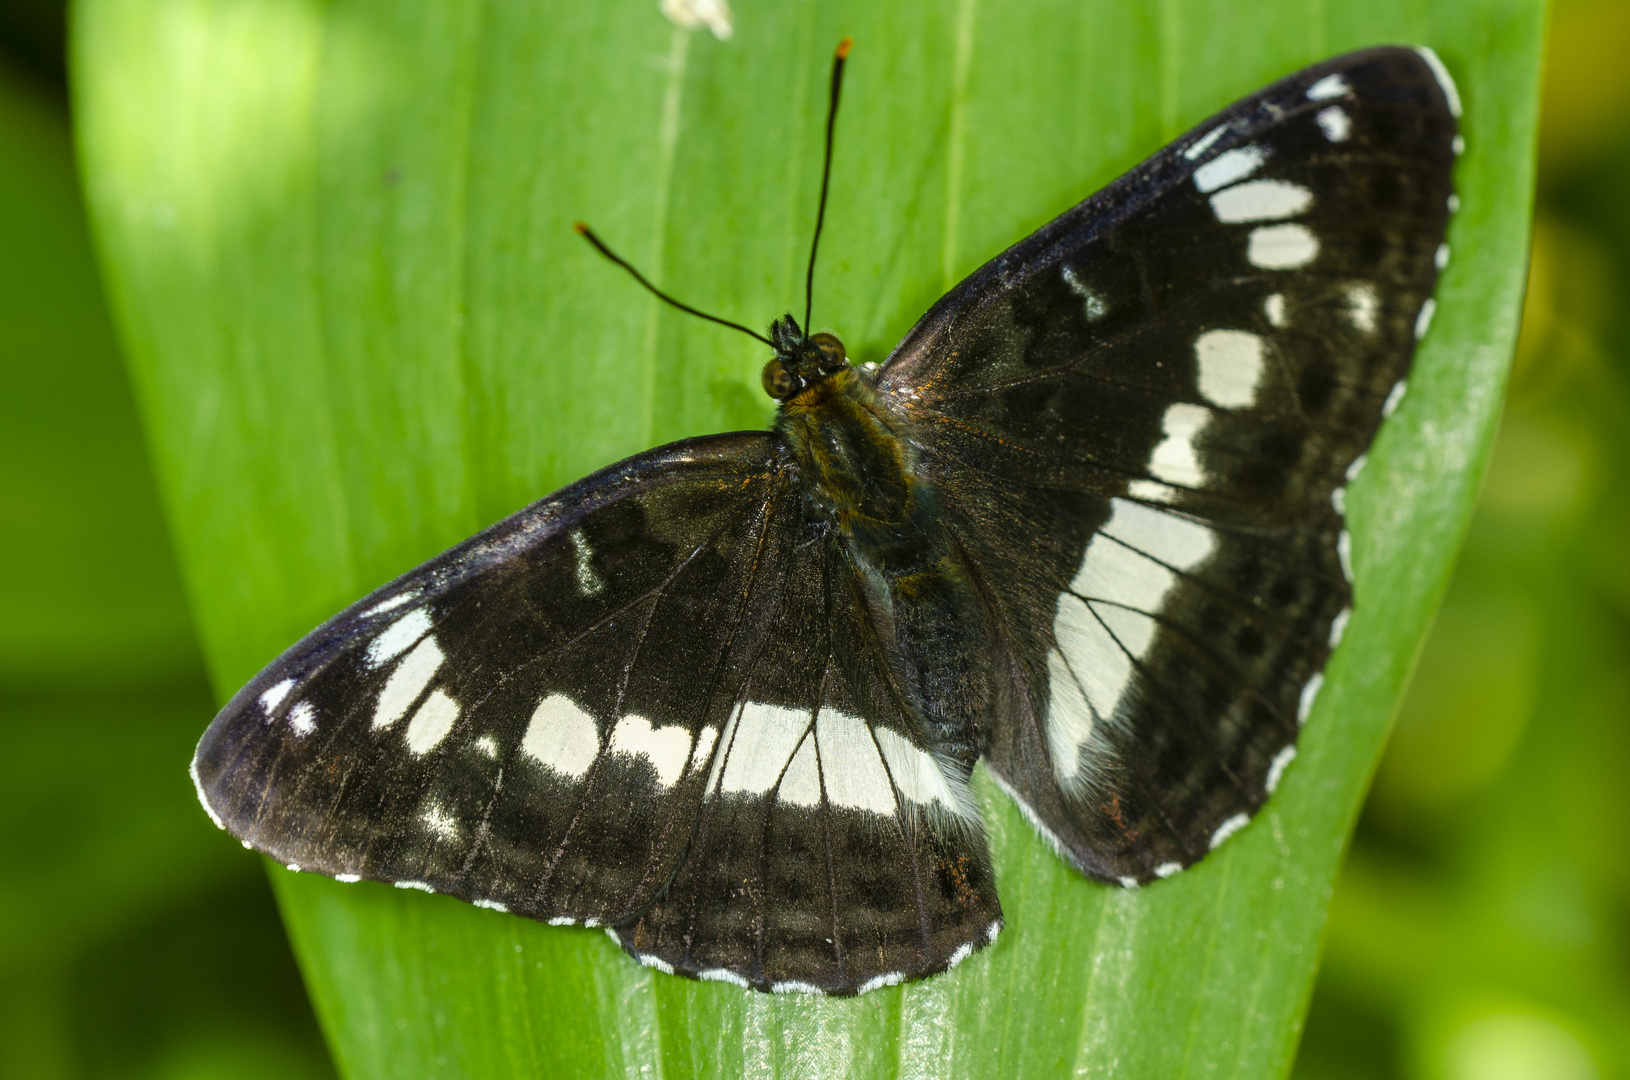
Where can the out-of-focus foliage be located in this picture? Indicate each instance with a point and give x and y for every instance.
(1481, 925)
(1480, 929)
(337, 240)
(133, 943)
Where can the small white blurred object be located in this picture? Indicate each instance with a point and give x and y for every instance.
(690, 14)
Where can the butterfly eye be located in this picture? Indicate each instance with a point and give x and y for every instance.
(833, 355)
(778, 381)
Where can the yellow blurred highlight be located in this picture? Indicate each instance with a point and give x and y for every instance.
(218, 114)
(1516, 1046)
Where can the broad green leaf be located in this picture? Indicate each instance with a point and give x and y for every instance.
(338, 240)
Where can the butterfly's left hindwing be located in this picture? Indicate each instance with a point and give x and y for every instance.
(1142, 419)
(649, 703)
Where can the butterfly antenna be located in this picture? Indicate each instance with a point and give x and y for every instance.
(599, 245)
(838, 59)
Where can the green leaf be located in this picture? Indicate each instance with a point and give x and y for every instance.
(338, 240)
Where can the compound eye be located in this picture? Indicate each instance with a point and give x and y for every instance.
(833, 355)
(778, 381)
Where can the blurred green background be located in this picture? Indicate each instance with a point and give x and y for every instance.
(1481, 928)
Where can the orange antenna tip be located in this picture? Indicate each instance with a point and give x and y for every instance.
(844, 46)
(579, 228)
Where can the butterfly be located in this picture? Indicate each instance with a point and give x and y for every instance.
(1084, 525)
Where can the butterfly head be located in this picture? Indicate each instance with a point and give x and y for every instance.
(800, 359)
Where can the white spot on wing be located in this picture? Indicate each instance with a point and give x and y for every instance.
(1205, 142)
(1423, 321)
(1362, 305)
(704, 746)
(587, 579)
(1281, 247)
(655, 962)
(917, 773)
(666, 748)
(1112, 571)
(964, 951)
(491, 905)
(1093, 305)
(851, 764)
(992, 930)
(431, 723)
(724, 976)
(1069, 719)
(1260, 200)
(1230, 366)
(562, 737)
(274, 696)
(486, 746)
(1458, 145)
(1277, 769)
(1309, 693)
(436, 818)
(1335, 123)
(398, 637)
(1441, 74)
(407, 682)
(1229, 828)
(766, 736)
(394, 602)
(1133, 629)
(1174, 459)
(1165, 870)
(1344, 552)
(795, 986)
(1338, 626)
(1331, 86)
(203, 800)
(1170, 538)
(347, 879)
(1338, 500)
(1394, 396)
(303, 718)
(693, 14)
(1453, 203)
(877, 982)
(1098, 662)
(1274, 308)
(562, 920)
(1127, 882)
(1229, 167)
(1151, 491)
(1357, 467)
(1441, 258)
(421, 886)
(801, 784)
